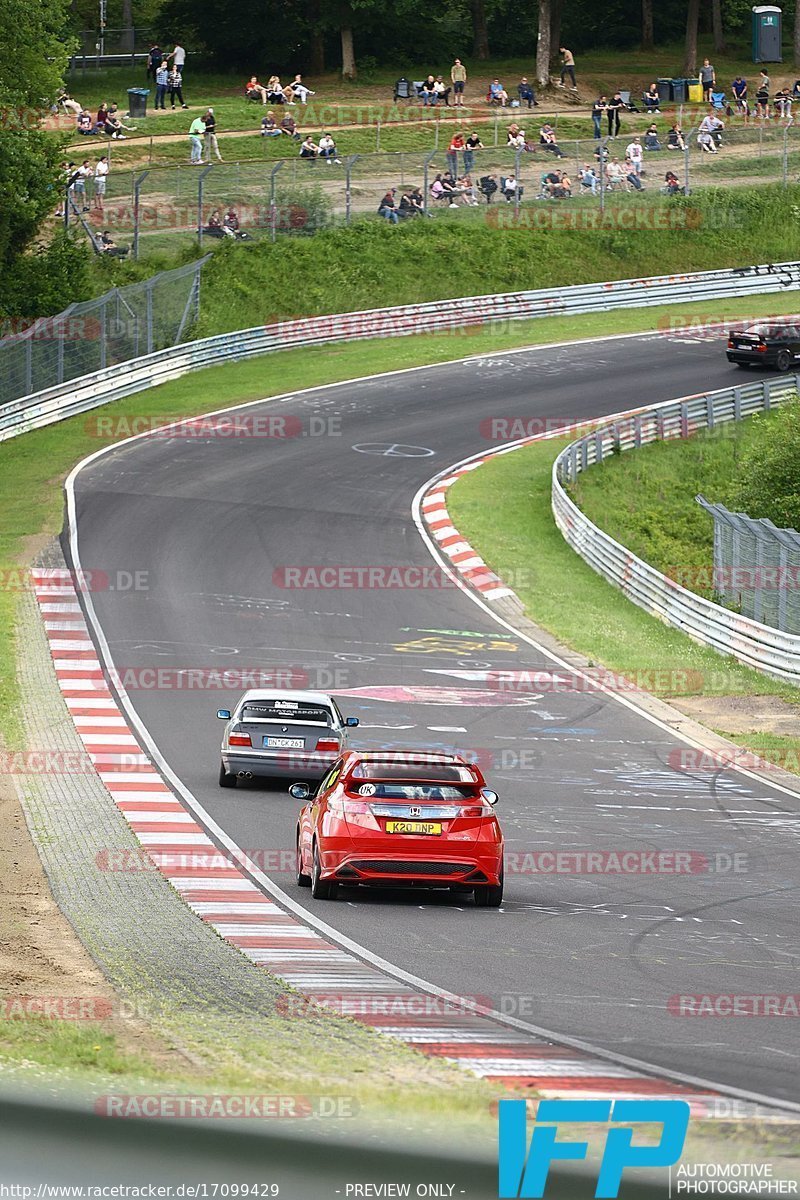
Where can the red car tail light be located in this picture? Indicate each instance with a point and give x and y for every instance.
(239, 739)
(341, 807)
(329, 745)
(476, 810)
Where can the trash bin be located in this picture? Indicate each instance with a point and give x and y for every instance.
(137, 102)
(695, 91)
(680, 92)
(664, 91)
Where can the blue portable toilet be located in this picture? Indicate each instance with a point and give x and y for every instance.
(767, 33)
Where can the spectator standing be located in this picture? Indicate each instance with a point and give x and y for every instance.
(154, 60)
(598, 108)
(456, 145)
(567, 66)
(178, 57)
(472, 143)
(175, 88)
(708, 79)
(636, 155)
(78, 186)
(211, 143)
(197, 131)
(458, 78)
(762, 96)
(613, 109)
(162, 79)
(100, 177)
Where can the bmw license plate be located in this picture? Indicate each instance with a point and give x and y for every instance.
(279, 743)
(418, 827)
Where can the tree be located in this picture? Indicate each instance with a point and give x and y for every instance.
(690, 56)
(770, 469)
(543, 44)
(349, 69)
(480, 30)
(716, 24)
(648, 34)
(797, 35)
(556, 10)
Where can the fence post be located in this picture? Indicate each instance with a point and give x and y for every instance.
(103, 336)
(273, 208)
(137, 187)
(516, 189)
(425, 166)
(351, 162)
(149, 314)
(602, 169)
(785, 155)
(783, 569)
(686, 188)
(378, 134)
(200, 183)
(436, 132)
(496, 123)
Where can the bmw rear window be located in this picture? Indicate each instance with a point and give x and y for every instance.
(292, 712)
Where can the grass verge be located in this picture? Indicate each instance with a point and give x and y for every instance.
(503, 509)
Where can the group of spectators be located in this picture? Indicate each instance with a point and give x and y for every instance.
(107, 120)
(275, 93)
(76, 177)
(168, 79)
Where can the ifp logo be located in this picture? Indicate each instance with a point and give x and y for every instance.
(524, 1170)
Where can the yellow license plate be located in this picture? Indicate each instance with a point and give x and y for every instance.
(418, 827)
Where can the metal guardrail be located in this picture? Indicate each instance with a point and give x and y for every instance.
(101, 387)
(760, 646)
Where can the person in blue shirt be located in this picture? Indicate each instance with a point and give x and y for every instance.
(162, 80)
(739, 88)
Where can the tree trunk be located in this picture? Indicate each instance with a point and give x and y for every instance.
(348, 54)
(480, 31)
(716, 25)
(316, 57)
(690, 58)
(648, 35)
(556, 9)
(543, 44)
(126, 37)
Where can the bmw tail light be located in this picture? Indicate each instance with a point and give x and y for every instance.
(730, 344)
(761, 347)
(239, 739)
(328, 745)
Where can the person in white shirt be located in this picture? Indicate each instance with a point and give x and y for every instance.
(327, 149)
(179, 56)
(78, 187)
(510, 188)
(710, 127)
(100, 176)
(636, 154)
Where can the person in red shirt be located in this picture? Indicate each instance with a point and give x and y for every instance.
(253, 90)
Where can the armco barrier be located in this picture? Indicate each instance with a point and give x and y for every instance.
(759, 646)
(101, 387)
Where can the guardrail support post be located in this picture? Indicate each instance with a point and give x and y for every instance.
(348, 196)
(766, 405)
(737, 404)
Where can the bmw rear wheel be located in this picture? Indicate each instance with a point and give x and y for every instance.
(783, 360)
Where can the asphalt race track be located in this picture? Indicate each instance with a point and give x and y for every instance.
(593, 956)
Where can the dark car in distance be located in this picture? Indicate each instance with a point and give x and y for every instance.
(765, 343)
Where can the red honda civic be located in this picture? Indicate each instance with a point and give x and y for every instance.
(402, 819)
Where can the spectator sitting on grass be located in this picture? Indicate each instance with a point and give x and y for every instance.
(709, 133)
(86, 123)
(652, 99)
(254, 90)
(450, 190)
(526, 93)
(563, 189)
(515, 138)
(588, 178)
(671, 185)
(387, 207)
(406, 208)
(231, 227)
(289, 127)
(269, 126)
(101, 118)
(436, 189)
(632, 175)
(66, 101)
(550, 181)
(308, 148)
(675, 139)
(547, 139)
(299, 89)
(327, 149)
(487, 186)
(497, 93)
(114, 126)
(213, 228)
(106, 245)
(651, 141)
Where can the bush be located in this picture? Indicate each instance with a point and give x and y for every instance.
(770, 469)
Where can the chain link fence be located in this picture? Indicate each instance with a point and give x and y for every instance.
(756, 567)
(123, 324)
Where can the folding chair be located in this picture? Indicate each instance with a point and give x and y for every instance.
(718, 100)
